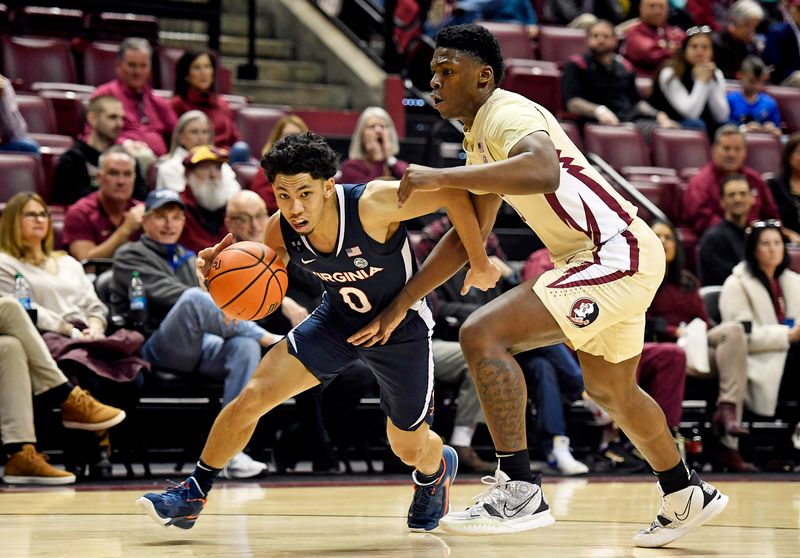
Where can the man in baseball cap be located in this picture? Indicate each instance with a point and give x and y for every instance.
(160, 198)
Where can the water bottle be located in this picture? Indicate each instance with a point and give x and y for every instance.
(138, 302)
(22, 291)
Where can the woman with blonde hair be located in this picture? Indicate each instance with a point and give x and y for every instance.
(373, 149)
(193, 129)
(286, 125)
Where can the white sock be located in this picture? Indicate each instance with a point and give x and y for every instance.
(462, 436)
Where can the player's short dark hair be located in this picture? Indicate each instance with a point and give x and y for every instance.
(476, 41)
(299, 153)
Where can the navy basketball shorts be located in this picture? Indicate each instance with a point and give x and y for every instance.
(403, 367)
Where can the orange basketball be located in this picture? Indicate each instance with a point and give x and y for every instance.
(247, 280)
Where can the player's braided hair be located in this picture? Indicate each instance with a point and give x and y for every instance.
(299, 153)
(477, 41)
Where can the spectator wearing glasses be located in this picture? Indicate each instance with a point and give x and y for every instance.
(764, 295)
(192, 130)
(195, 89)
(373, 149)
(148, 119)
(689, 87)
(97, 224)
(190, 333)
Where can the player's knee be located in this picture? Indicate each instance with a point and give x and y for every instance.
(408, 453)
(472, 336)
(253, 399)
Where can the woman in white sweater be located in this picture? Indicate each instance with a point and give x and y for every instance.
(764, 294)
(689, 87)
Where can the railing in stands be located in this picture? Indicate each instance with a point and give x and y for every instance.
(208, 11)
(628, 187)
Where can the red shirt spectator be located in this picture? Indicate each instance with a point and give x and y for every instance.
(263, 187)
(147, 118)
(646, 46)
(676, 304)
(87, 219)
(216, 108)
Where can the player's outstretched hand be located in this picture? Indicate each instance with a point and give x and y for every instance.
(380, 329)
(206, 257)
(417, 178)
(484, 278)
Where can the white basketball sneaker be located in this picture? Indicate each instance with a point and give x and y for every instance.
(505, 507)
(681, 511)
(562, 459)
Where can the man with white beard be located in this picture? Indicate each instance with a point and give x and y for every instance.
(205, 197)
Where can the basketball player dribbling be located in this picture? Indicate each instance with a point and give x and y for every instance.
(608, 268)
(352, 238)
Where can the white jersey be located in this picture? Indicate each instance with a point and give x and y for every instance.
(584, 214)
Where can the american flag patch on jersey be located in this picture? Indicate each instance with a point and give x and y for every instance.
(353, 252)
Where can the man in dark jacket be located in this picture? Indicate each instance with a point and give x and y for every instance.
(191, 333)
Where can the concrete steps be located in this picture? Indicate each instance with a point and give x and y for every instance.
(294, 94)
(282, 70)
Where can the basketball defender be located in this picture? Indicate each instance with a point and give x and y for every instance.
(352, 238)
(608, 267)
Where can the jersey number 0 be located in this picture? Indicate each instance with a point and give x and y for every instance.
(355, 299)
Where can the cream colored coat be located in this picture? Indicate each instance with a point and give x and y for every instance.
(745, 299)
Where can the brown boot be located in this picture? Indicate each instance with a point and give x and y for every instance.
(725, 420)
(731, 460)
(83, 412)
(28, 466)
(470, 461)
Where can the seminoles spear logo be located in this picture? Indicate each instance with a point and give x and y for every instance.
(583, 312)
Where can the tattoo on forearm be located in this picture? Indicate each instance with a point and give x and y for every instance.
(501, 389)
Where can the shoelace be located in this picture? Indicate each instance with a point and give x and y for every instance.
(422, 499)
(494, 485)
(177, 490)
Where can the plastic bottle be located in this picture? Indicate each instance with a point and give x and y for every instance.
(138, 302)
(22, 291)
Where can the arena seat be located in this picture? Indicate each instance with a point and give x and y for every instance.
(326, 122)
(20, 172)
(112, 26)
(245, 172)
(538, 81)
(680, 149)
(167, 58)
(68, 109)
(794, 255)
(28, 59)
(99, 62)
(619, 146)
(665, 195)
(574, 134)
(513, 39)
(56, 141)
(38, 114)
(48, 22)
(710, 297)
(764, 152)
(255, 124)
(557, 44)
(789, 104)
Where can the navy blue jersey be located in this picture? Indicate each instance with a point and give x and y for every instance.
(362, 276)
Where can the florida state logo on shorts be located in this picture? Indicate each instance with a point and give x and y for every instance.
(583, 312)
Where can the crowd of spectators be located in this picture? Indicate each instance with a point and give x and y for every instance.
(190, 142)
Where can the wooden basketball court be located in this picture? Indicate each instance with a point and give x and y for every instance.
(595, 519)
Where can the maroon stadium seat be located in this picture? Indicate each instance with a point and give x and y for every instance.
(513, 39)
(38, 114)
(789, 104)
(48, 22)
(680, 149)
(27, 60)
(794, 254)
(763, 152)
(112, 26)
(539, 82)
(68, 110)
(151, 175)
(53, 140)
(245, 172)
(99, 62)
(256, 123)
(665, 195)
(325, 122)
(557, 44)
(647, 173)
(574, 134)
(49, 155)
(20, 173)
(167, 60)
(619, 146)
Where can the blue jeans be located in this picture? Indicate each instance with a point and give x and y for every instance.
(551, 372)
(239, 153)
(194, 337)
(26, 145)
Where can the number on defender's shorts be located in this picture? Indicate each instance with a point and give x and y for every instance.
(355, 299)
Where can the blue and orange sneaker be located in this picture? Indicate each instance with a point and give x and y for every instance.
(178, 505)
(432, 501)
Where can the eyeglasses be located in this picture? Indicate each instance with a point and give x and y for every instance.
(244, 218)
(698, 29)
(769, 223)
(35, 214)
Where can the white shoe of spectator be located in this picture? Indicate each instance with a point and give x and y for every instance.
(242, 466)
(561, 458)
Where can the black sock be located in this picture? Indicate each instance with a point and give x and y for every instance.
(517, 465)
(55, 396)
(11, 449)
(205, 475)
(674, 479)
(422, 478)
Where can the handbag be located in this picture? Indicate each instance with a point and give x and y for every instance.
(694, 343)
